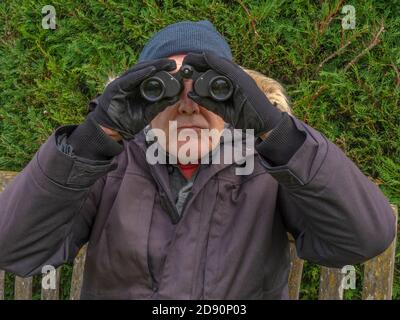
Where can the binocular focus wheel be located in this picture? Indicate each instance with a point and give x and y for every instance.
(226, 81)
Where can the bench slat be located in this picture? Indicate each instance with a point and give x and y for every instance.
(77, 274)
(296, 271)
(5, 178)
(330, 284)
(2, 279)
(52, 294)
(379, 272)
(23, 288)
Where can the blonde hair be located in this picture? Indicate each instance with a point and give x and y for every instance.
(272, 89)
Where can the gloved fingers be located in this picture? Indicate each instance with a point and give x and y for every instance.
(225, 67)
(209, 60)
(130, 81)
(164, 64)
(170, 101)
(101, 117)
(125, 134)
(243, 82)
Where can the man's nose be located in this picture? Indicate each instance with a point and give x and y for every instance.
(187, 105)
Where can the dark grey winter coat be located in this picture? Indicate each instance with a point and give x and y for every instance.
(231, 242)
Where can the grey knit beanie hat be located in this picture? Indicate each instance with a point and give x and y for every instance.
(183, 37)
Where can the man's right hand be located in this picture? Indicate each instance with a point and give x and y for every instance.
(121, 107)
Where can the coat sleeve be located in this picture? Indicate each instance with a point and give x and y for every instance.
(47, 211)
(335, 213)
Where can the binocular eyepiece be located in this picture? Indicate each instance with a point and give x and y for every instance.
(207, 84)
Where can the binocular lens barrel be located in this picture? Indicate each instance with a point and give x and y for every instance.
(186, 71)
(220, 88)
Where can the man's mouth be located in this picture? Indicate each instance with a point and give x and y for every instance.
(190, 126)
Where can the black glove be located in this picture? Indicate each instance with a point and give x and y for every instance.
(248, 107)
(121, 106)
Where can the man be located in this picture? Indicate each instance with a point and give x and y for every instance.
(188, 231)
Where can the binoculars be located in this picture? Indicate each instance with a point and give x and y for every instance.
(206, 84)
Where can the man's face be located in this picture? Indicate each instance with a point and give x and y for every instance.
(189, 118)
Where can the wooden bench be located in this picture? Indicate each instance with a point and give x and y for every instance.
(378, 274)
